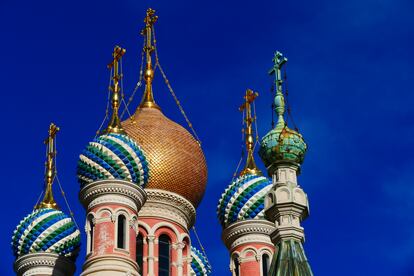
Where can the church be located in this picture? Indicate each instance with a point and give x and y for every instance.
(142, 179)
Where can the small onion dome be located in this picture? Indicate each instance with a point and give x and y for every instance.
(113, 156)
(199, 263)
(282, 144)
(243, 199)
(46, 230)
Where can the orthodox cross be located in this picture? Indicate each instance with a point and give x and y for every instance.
(279, 60)
(249, 98)
(149, 20)
(48, 200)
(115, 123)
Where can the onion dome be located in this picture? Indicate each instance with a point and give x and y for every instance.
(281, 144)
(199, 263)
(46, 230)
(243, 199)
(176, 161)
(113, 155)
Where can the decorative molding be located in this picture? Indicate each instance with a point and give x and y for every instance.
(113, 189)
(44, 263)
(169, 206)
(248, 231)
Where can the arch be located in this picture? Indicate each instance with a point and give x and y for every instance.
(235, 264)
(247, 250)
(265, 264)
(104, 212)
(162, 227)
(164, 255)
(143, 228)
(90, 225)
(121, 230)
(167, 229)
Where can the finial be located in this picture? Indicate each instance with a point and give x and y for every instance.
(250, 166)
(279, 60)
(115, 123)
(148, 98)
(48, 200)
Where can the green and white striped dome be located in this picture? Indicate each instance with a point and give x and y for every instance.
(199, 263)
(46, 230)
(113, 156)
(243, 199)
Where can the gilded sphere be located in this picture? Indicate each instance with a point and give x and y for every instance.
(176, 161)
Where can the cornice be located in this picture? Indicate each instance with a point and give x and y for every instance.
(35, 263)
(248, 231)
(109, 191)
(170, 206)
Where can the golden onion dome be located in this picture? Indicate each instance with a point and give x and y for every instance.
(176, 161)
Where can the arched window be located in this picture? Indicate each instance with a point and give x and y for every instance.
(90, 234)
(121, 241)
(164, 258)
(265, 264)
(236, 266)
(140, 251)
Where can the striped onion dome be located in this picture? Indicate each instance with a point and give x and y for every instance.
(199, 263)
(113, 156)
(243, 199)
(46, 230)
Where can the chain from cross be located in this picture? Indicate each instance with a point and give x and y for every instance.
(279, 60)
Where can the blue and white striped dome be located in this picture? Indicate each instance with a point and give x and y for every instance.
(243, 199)
(46, 230)
(113, 156)
(199, 263)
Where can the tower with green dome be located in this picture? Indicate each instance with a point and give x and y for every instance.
(282, 151)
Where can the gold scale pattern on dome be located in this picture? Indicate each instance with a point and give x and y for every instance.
(176, 161)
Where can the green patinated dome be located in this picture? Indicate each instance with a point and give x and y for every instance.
(282, 144)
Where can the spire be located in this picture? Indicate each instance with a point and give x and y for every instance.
(48, 199)
(250, 167)
(114, 125)
(279, 60)
(148, 98)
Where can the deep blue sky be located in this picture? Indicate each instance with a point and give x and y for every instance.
(350, 80)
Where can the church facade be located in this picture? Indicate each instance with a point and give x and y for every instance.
(141, 181)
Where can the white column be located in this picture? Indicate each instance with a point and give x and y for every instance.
(151, 239)
(180, 247)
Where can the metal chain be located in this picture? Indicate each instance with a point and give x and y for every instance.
(139, 83)
(66, 201)
(287, 101)
(167, 82)
(38, 199)
(122, 91)
(107, 106)
(201, 246)
(62, 192)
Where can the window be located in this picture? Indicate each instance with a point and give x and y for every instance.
(89, 234)
(164, 258)
(121, 241)
(265, 264)
(140, 252)
(236, 266)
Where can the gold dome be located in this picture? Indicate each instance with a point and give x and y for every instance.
(176, 161)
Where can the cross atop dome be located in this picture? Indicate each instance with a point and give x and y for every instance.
(148, 98)
(114, 125)
(48, 199)
(250, 167)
